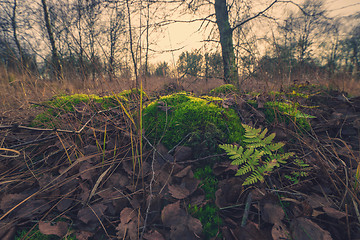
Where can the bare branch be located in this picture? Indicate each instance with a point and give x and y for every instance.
(255, 16)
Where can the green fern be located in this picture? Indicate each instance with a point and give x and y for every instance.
(299, 172)
(259, 157)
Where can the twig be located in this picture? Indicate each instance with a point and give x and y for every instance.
(34, 141)
(347, 221)
(150, 195)
(246, 211)
(203, 158)
(16, 153)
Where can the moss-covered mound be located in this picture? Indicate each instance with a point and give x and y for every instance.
(287, 112)
(181, 117)
(223, 89)
(67, 103)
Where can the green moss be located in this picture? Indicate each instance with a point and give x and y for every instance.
(209, 218)
(223, 89)
(208, 214)
(67, 103)
(287, 112)
(276, 111)
(35, 234)
(174, 117)
(208, 181)
(133, 94)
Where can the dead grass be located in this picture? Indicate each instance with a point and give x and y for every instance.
(19, 91)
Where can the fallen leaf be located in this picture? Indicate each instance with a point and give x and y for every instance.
(59, 229)
(316, 201)
(129, 222)
(182, 153)
(64, 204)
(334, 213)
(9, 201)
(178, 192)
(182, 225)
(305, 229)
(279, 231)
(92, 213)
(84, 235)
(153, 235)
(272, 213)
(87, 171)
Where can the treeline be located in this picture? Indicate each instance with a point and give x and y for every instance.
(93, 39)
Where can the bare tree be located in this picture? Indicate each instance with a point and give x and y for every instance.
(55, 56)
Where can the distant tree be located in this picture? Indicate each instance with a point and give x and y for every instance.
(162, 69)
(351, 51)
(213, 65)
(190, 63)
(54, 52)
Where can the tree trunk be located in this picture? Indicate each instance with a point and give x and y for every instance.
(55, 56)
(14, 27)
(226, 42)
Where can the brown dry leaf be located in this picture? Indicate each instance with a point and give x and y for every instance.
(32, 208)
(304, 229)
(178, 192)
(182, 153)
(117, 180)
(87, 171)
(171, 214)
(129, 222)
(92, 213)
(272, 213)
(184, 172)
(84, 195)
(182, 225)
(84, 235)
(224, 167)
(331, 212)
(162, 155)
(279, 232)
(10, 200)
(59, 229)
(153, 235)
(250, 232)
(316, 213)
(7, 229)
(316, 201)
(64, 204)
(9, 235)
(220, 200)
(187, 186)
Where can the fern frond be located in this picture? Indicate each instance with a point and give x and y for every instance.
(233, 151)
(244, 169)
(259, 157)
(275, 146)
(254, 178)
(262, 135)
(269, 138)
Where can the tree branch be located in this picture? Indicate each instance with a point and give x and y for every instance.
(255, 16)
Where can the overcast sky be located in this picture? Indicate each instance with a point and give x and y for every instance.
(186, 37)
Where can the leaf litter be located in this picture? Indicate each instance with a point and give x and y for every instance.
(103, 193)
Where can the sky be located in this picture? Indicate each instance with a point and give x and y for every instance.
(185, 36)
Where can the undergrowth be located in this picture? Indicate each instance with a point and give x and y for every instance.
(207, 214)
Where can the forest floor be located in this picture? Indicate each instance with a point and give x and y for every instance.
(92, 177)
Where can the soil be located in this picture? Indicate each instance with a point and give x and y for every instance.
(89, 179)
